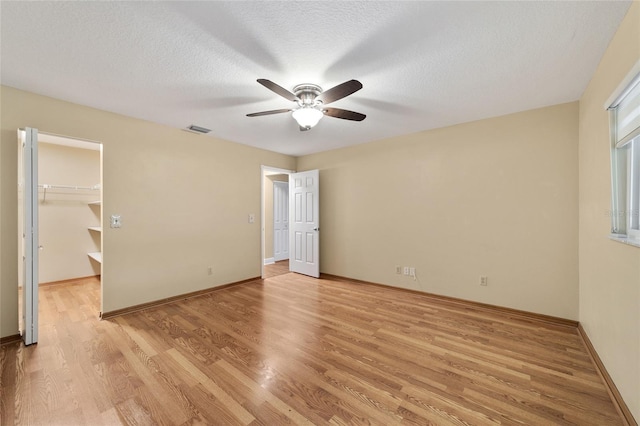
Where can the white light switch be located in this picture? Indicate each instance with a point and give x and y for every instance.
(115, 221)
(252, 217)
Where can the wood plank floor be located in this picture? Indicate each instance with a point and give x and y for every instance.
(279, 268)
(295, 350)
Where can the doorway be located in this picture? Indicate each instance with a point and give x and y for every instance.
(67, 188)
(275, 226)
(280, 219)
(304, 222)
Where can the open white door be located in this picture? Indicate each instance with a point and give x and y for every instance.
(304, 219)
(28, 179)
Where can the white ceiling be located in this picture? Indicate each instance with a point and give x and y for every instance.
(423, 64)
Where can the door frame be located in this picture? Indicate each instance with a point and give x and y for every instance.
(28, 234)
(34, 257)
(264, 172)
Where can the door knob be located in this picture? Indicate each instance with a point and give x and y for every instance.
(40, 247)
(316, 229)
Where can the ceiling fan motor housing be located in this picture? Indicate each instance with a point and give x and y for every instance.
(307, 93)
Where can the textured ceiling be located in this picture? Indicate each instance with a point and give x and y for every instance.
(423, 64)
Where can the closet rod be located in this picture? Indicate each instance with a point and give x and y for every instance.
(76, 188)
(80, 188)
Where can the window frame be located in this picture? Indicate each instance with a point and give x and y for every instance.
(625, 165)
(633, 189)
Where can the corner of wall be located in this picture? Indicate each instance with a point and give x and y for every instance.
(609, 272)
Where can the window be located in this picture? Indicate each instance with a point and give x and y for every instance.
(625, 160)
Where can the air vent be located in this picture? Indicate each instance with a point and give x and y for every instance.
(198, 129)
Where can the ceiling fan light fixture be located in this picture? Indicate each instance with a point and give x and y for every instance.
(307, 116)
(311, 101)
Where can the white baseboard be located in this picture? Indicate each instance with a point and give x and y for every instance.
(269, 261)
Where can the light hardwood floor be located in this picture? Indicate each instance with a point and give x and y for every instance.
(279, 268)
(295, 350)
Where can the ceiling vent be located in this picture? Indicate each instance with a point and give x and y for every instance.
(198, 129)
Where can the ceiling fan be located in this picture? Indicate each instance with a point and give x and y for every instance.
(311, 101)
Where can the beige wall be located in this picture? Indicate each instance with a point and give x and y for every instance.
(268, 212)
(184, 201)
(496, 197)
(8, 257)
(65, 214)
(609, 271)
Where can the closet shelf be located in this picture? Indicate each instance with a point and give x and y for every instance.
(97, 256)
(94, 203)
(72, 187)
(95, 228)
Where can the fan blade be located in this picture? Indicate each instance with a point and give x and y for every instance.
(273, 111)
(344, 114)
(278, 89)
(340, 91)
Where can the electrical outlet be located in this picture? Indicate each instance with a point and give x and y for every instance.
(210, 270)
(484, 281)
(412, 272)
(252, 217)
(399, 270)
(406, 270)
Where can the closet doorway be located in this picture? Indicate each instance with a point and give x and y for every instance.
(68, 217)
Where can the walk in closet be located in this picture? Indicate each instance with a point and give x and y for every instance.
(70, 222)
